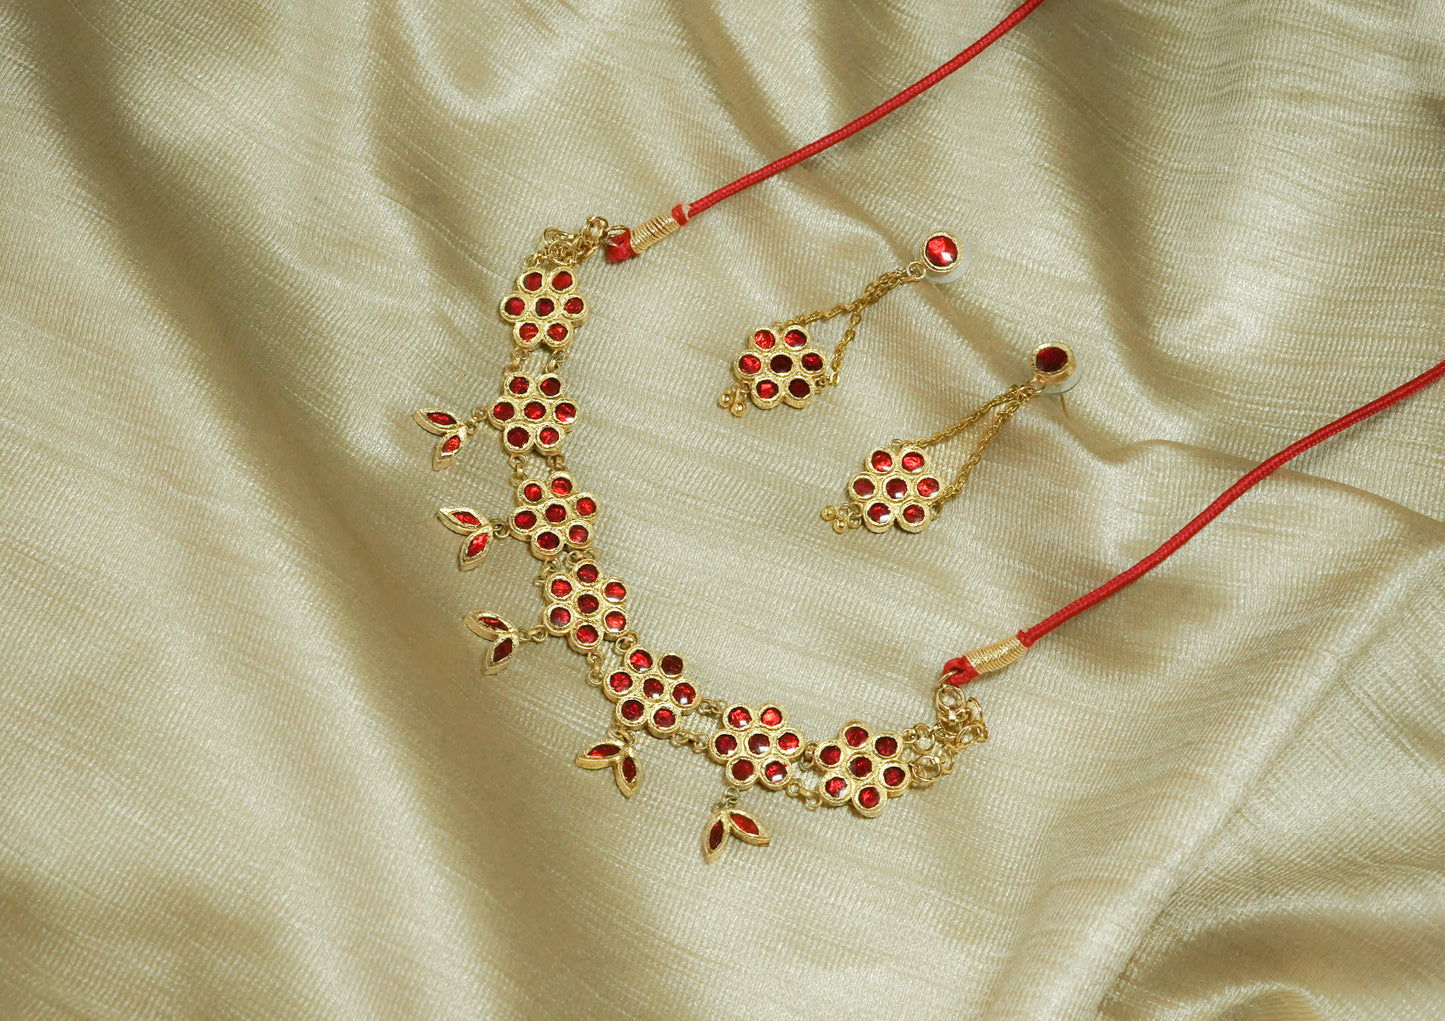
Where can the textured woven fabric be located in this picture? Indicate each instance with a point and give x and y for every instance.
(248, 767)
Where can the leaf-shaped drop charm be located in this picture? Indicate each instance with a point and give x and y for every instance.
(731, 822)
(619, 756)
(477, 529)
(453, 433)
(501, 636)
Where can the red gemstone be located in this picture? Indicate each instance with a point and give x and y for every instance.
(562, 486)
(927, 486)
(477, 544)
(525, 520)
(914, 514)
(615, 592)
(586, 634)
(787, 741)
(764, 339)
(518, 437)
(560, 588)
(896, 488)
(534, 410)
(745, 824)
(519, 385)
(742, 769)
(467, 518)
(861, 766)
(640, 659)
(715, 836)
(565, 412)
(855, 736)
(880, 513)
(912, 461)
(451, 444)
(881, 460)
(587, 573)
(800, 388)
(578, 535)
(586, 506)
(562, 281)
(750, 365)
(894, 776)
(812, 361)
(441, 418)
(550, 385)
(664, 718)
(781, 364)
(503, 410)
(502, 650)
(775, 771)
(557, 332)
(759, 744)
(573, 306)
(616, 621)
(603, 751)
(941, 251)
(548, 541)
(739, 717)
(587, 603)
(771, 716)
(671, 663)
(1049, 360)
(835, 786)
(885, 745)
(795, 338)
(532, 491)
(532, 281)
(548, 437)
(632, 709)
(545, 307)
(620, 682)
(555, 513)
(863, 486)
(495, 623)
(725, 744)
(514, 306)
(830, 755)
(684, 694)
(629, 770)
(767, 389)
(560, 616)
(869, 798)
(652, 688)
(528, 332)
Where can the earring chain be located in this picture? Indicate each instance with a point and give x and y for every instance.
(1007, 404)
(873, 293)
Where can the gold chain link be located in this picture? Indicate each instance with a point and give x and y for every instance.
(873, 293)
(563, 249)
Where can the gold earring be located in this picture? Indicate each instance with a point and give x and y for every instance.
(900, 486)
(780, 365)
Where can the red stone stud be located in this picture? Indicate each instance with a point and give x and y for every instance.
(943, 254)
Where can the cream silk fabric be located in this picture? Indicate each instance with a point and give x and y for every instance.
(248, 768)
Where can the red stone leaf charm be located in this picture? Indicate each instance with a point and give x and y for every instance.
(731, 822)
(501, 636)
(619, 756)
(452, 430)
(477, 529)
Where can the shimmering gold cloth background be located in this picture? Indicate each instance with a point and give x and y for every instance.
(247, 765)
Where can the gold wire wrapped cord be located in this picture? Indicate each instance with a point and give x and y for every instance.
(983, 660)
(650, 232)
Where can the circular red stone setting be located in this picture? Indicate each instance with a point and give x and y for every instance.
(528, 331)
(775, 771)
(671, 663)
(664, 718)
(787, 741)
(812, 361)
(560, 588)
(764, 339)
(555, 513)
(545, 307)
(940, 251)
(855, 736)
(781, 364)
(518, 437)
(532, 491)
(532, 282)
(767, 389)
(587, 634)
(896, 488)
(1050, 360)
(725, 744)
(927, 486)
(912, 461)
(615, 592)
(863, 486)
(894, 776)
(525, 520)
(519, 385)
(880, 513)
(557, 332)
(616, 621)
(886, 745)
(620, 682)
(759, 744)
(800, 388)
(881, 460)
(640, 659)
(548, 437)
(914, 514)
(514, 306)
(562, 486)
(578, 535)
(586, 506)
(869, 798)
(573, 306)
(684, 694)
(795, 338)
(861, 766)
(587, 603)
(750, 365)
(503, 410)
(534, 410)
(548, 541)
(742, 769)
(560, 616)
(632, 710)
(565, 412)
(550, 385)
(562, 281)
(652, 688)
(771, 716)
(587, 573)
(830, 755)
(835, 786)
(739, 717)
